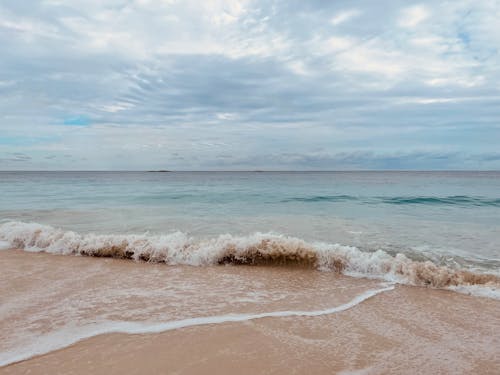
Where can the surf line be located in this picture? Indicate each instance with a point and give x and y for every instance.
(137, 328)
(134, 328)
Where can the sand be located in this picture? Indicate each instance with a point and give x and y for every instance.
(408, 330)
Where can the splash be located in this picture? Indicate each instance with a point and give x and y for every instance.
(256, 249)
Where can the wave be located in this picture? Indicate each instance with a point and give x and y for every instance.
(62, 339)
(323, 198)
(460, 200)
(456, 200)
(257, 249)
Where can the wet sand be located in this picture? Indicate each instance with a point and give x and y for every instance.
(408, 330)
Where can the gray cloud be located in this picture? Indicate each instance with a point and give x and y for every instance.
(249, 84)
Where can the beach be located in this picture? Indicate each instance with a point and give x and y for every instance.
(249, 187)
(401, 329)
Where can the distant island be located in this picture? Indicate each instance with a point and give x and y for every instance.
(160, 171)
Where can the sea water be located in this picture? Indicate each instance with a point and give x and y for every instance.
(453, 216)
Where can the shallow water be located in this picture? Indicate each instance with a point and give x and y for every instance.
(317, 206)
(447, 217)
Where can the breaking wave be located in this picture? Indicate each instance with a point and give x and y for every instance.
(257, 249)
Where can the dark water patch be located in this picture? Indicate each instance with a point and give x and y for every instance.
(455, 200)
(322, 198)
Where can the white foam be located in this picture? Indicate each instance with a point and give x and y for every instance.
(178, 248)
(64, 338)
(4, 245)
(487, 291)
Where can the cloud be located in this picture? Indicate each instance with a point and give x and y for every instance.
(140, 84)
(344, 16)
(412, 16)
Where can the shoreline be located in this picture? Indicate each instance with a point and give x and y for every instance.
(250, 320)
(257, 249)
(406, 330)
(135, 328)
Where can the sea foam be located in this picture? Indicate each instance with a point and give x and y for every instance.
(63, 338)
(257, 249)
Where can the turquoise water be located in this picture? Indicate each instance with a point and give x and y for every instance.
(444, 216)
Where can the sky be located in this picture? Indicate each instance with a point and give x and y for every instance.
(244, 85)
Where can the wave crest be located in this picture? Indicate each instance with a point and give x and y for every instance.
(256, 249)
(453, 200)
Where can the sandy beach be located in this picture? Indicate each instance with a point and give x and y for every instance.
(406, 330)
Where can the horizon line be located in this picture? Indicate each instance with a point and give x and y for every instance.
(250, 170)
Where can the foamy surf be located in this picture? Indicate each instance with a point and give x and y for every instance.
(61, 339)
(259, 248)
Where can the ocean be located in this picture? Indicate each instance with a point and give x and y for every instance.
(450, 218)
(159, 251)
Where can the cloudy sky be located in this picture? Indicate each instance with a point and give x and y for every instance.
(227, 84)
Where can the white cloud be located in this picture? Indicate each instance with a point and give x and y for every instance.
(116, 107)
(413, 16)
(27, 28)
(467, 81)
(425, 101)
(344, 16)
(338, 43)
(227, 116)
(372, 59)
(299, 67)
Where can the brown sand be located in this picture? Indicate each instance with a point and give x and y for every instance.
(408, 330)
